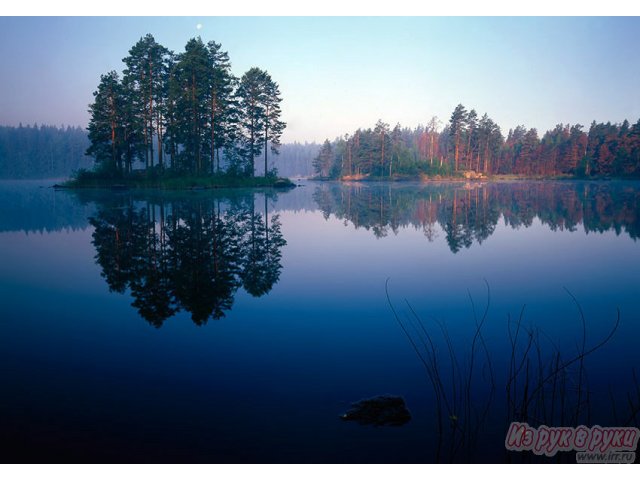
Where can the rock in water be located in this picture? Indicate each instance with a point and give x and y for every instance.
(380, 410)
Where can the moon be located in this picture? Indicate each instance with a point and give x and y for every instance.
(199, 26)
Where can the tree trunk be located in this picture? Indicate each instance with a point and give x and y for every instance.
(213, 135)
(486, 157)
(159, 137)
(382, 155)
(252, 163)
(151, 112)
(456, 152)
(266, 138)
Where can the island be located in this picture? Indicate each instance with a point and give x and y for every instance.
(182, 121)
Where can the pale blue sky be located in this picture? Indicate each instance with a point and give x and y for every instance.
(337, 74)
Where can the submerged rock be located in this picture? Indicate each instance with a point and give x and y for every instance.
(283, 183)
(380, 410)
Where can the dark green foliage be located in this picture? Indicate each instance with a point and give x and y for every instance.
(251, 103)
(144, 81)
(107, 125)
(273, 126)
(185, 112)
(223, 108)
(457, 124)
(191, 77)
(171, 179)
(259, 107)
(323, 163)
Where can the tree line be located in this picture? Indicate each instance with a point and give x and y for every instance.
(185, 112)
(469, 142)
(52, 152)
(42, 151)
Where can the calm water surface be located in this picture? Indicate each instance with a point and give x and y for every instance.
(238, 326)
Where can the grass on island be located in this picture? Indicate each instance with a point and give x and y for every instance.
(171, 181)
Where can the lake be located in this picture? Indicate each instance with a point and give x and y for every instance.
(239, 326)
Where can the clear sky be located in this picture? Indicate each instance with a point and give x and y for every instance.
(340, 73)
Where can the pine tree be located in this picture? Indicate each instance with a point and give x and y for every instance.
(273, 126)
(457, 124)
(323, 162)
(105, 125)
(381, 132)
(222, 108)
(192, 100)
(250, 95)
(146, 75)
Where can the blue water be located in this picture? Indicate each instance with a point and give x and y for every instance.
(252, 354)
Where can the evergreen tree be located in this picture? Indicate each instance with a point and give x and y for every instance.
(251, 99)
(146, 75)
(105, 126)
(457, 124)
(383, 143)
(472, 138)
(259, 106)
(273, 126)
(323, 162)
(171, 94)
(192, 106)
(222, 108)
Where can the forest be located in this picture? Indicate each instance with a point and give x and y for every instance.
(36, 152)
(470, 143)
(185, 112)
(42, 151)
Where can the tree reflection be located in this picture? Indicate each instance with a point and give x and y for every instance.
(469, 213)
(188, 255)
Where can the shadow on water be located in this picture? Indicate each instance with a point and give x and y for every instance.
(189, 253)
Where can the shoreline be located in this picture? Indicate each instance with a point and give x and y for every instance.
(175, 183)
(459, 179)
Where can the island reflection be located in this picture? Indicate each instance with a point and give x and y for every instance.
(469, 213)
(188, 254)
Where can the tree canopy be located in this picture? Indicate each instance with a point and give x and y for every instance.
(470, 142)
(184, 112)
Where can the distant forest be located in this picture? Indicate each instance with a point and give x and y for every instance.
(42, 151)
(296, 159)
(469, 142)
(56, 152)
